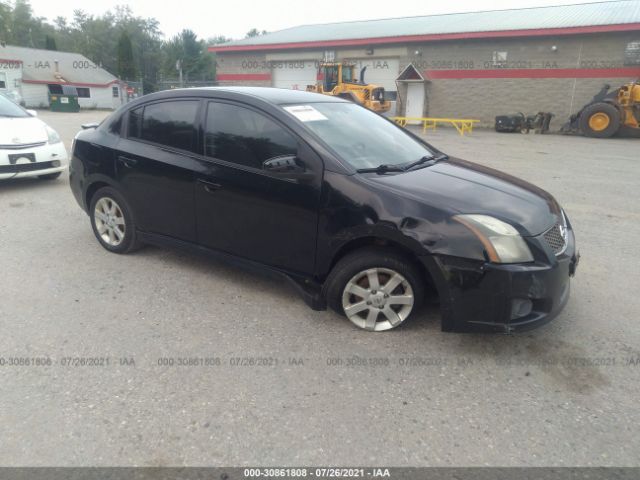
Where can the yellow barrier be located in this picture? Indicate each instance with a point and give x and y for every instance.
(462, 125)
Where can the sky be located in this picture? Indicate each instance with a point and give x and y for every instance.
(233, 18)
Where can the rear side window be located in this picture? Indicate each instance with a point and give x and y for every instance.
(243, 136)
(167, 123)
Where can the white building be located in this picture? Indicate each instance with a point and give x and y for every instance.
(35, 74)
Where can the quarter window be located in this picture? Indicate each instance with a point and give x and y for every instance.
(168, 123)
(239, 135)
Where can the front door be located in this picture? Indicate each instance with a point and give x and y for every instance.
(415, 100)
(245, 208)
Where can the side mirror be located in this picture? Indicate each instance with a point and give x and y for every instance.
(33, 113)
(289, 167)
(283, 164)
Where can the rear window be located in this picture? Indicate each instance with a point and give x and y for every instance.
(168, 123)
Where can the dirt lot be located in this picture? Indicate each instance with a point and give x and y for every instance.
(565, 394)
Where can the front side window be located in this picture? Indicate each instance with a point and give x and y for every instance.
(240, 135)
(359, 136)
(167, 123)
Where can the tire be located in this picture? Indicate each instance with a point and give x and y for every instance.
(50, 176)
(600, 120)
(348, 288)
(112, 221)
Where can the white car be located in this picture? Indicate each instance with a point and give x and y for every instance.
(28, 146)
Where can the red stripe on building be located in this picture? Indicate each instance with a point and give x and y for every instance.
(8, 60)
(539, 32)
(71, 84)
(243, 76)
(535, 73)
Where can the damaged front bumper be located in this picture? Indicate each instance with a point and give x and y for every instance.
(481, 296)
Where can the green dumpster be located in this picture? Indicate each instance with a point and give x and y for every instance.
(67, 101)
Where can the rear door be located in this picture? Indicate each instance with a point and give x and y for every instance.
(245, 209)
(155, 165)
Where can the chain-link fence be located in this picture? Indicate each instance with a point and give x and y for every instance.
(132, 89)
(171, 84)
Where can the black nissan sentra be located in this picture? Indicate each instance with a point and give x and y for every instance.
(361, 215)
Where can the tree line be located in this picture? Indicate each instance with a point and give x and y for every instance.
(130, 47)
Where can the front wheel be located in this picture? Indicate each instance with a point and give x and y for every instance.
(112, 221)
(375, 289)
(600, 120)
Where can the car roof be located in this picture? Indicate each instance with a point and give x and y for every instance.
(276, 96)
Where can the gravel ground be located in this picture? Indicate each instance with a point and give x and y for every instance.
(325, 392)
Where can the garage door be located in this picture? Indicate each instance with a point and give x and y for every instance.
(295, 75)
(383, 71)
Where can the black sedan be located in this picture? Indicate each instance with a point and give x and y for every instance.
(360, 214)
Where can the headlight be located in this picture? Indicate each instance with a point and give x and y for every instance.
(501, 241)
(53, 135)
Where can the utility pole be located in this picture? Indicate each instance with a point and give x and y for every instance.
(179, 68)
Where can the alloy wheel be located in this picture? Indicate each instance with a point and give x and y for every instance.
(377, 299)
(109, 221)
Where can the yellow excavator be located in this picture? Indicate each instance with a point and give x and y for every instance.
(608, 112)
(338, 79)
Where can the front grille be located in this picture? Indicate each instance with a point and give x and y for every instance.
(29, 167)
(555, 240)
(22, 146)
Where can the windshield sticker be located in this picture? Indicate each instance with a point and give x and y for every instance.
(305, 113)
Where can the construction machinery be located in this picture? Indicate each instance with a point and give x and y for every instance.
(608, 112)
(338, 79)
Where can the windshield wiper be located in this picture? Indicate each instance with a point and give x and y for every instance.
(427, 161)
(384, 168)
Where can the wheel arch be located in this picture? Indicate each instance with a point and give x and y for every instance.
(93, 185)
(378, 241)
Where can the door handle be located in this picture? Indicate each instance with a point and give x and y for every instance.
(127, 161)
(210, 186)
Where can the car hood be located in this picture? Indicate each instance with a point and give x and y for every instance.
(458, 186)
(16, 131)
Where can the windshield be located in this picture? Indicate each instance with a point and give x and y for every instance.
(361, 137)
(10, 109)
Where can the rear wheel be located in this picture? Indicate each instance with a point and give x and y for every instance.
(112, 221)
(600, 120)
(375, 289)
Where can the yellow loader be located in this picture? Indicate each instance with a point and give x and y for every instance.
(608, 112)
(338, 79)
